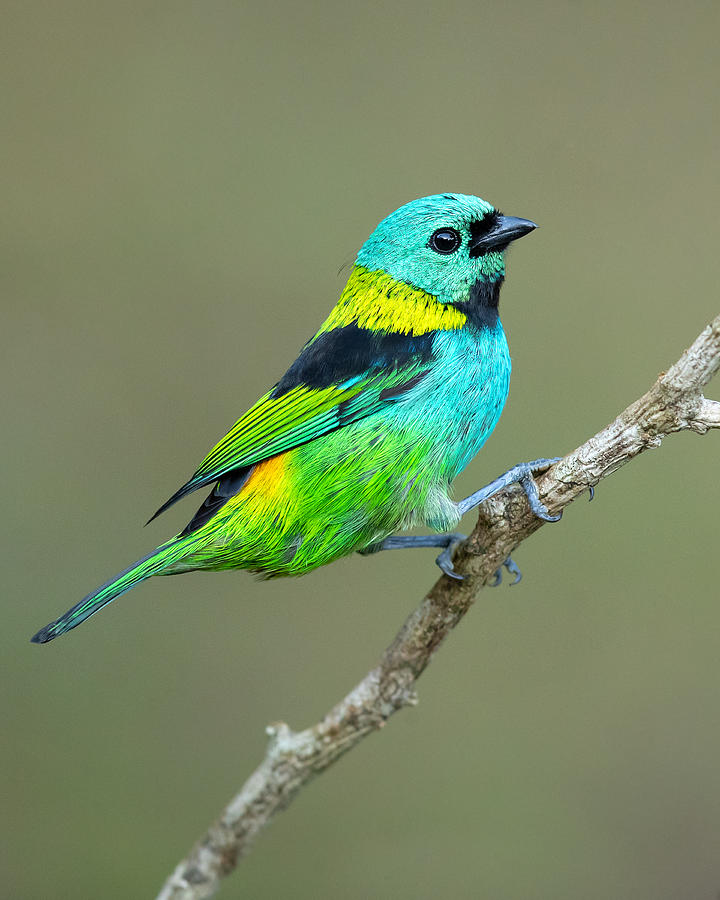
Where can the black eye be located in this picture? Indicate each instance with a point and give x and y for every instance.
(445, 240)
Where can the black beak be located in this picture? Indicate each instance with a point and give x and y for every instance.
(504, 230)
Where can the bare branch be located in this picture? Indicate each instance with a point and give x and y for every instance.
(674, 403)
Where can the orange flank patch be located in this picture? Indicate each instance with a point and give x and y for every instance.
(267, 481)
(267, 474)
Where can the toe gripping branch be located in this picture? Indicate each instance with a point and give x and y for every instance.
(444, 561)
(521, 474)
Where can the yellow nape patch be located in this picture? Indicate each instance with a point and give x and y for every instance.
(375, 300)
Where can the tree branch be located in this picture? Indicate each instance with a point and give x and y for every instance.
(674, 403)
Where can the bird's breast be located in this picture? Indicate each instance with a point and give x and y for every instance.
(463, 397)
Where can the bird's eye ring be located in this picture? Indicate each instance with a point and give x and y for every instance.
(445, 240)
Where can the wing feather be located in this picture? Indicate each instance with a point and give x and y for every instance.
(305, 405)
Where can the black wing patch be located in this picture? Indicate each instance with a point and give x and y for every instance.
(340, 354)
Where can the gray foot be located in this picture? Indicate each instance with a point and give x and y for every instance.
(512, 568)
(523, 475)
(448, 541)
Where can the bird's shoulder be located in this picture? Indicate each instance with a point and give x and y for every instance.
(378, 324)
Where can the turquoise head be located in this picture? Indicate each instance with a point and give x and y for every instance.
(448, 245)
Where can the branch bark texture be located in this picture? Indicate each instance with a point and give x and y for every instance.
(674, 403)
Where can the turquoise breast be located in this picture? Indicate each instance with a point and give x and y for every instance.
(463, 396)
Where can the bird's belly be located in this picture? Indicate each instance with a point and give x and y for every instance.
(328, 498)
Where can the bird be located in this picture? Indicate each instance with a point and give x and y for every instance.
(365, 432)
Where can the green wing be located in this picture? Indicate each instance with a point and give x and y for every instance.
(279, 422)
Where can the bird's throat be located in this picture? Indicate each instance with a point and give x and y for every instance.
(481, 307)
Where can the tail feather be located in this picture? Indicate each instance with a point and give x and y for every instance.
(152, 564)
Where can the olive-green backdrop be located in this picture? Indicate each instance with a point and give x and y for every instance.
(182, 182)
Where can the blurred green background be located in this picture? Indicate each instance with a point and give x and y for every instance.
(182, 183)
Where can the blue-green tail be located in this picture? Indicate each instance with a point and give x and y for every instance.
(152, 564)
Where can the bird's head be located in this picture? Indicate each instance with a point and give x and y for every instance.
(445, 244)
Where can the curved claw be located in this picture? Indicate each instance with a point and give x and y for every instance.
(444, 560)
(547, 517)
(513, 569)
(539, 508)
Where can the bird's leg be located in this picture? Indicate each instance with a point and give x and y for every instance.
(521, 474)
(449, 542)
